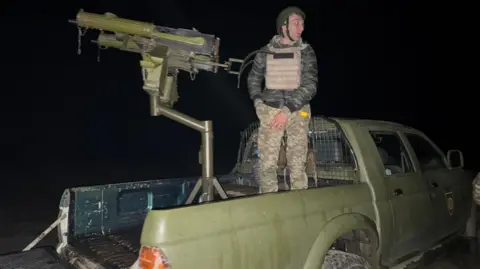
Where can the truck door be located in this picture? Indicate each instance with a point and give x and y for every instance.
(449, 203)
(408, 194)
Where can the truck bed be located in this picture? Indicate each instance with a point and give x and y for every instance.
(119, 249)
(105, 221)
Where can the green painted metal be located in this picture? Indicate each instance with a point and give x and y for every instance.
(267, 231)
(291, 230)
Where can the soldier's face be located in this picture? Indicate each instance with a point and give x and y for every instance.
(295, 27)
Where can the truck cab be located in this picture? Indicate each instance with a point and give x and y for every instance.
(429, 197)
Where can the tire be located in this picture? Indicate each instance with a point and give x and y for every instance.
(336, 259)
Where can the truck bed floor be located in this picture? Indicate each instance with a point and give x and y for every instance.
(116, 251)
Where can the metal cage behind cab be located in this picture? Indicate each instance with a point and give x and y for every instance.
(330, 158)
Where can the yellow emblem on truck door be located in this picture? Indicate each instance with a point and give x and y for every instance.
(450, 202)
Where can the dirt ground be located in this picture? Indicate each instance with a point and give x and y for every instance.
(456, 255)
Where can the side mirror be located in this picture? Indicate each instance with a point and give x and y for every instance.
(455, 159)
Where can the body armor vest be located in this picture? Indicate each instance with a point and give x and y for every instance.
(284, 68)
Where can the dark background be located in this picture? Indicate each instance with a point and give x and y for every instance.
(68, 120)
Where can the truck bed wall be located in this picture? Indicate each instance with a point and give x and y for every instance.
(275, 230)
(103, 209)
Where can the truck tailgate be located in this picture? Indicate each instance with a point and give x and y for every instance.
(38, 258)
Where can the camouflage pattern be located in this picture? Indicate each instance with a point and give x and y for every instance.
(269, 141)
(476, 189)
(290, 101)
(271, 101)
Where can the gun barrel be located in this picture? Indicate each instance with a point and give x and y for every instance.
(112, 23)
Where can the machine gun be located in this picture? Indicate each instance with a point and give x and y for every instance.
(165, 51)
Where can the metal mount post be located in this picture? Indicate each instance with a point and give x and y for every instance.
(208, 182)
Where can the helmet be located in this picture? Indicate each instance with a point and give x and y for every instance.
(282, 18)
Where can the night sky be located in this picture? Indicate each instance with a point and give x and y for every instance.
(69, 120)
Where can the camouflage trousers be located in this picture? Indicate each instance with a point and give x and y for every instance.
(269, 142)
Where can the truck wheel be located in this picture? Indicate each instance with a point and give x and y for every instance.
(336, 259)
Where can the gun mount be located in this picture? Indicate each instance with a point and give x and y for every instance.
(165, 51)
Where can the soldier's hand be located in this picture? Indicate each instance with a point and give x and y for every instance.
(279, 121)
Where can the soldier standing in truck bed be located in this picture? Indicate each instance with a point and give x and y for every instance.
(290, 83)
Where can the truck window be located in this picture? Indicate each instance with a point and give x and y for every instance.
(392, 152)
(428, 157)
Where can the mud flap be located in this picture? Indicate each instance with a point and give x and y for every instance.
(41, 257)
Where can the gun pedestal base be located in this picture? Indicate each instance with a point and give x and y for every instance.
(208, 182)
(208, 185)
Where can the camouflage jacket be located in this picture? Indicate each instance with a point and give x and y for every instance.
(476, 189)
(293, 100)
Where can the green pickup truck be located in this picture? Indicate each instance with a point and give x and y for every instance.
(380, 193)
